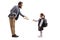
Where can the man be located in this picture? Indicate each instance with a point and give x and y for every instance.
(14, 15)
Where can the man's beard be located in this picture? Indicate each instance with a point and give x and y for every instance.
(20, 6)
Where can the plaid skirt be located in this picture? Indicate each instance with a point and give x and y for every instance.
(40, 28)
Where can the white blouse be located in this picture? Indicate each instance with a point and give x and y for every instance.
(41, 22)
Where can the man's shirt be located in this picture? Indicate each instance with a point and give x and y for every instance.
(16, 11)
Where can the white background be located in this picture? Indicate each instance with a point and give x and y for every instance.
(27, 29)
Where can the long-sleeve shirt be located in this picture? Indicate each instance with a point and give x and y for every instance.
(16, 11)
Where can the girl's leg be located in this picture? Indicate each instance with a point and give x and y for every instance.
(40, 33)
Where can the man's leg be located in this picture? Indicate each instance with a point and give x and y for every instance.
(12, 25)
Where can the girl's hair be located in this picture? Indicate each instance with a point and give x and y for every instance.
(42, 15)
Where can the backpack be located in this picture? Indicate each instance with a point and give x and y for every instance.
(45, 23)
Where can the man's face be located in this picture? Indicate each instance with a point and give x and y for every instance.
(20, 6)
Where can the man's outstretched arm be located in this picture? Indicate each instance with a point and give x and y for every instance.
(23, 16)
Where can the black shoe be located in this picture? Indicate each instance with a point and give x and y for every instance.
(15, 35)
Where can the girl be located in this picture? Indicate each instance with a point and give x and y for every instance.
(41, 23)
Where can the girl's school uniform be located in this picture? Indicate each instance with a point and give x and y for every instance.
(40, 24)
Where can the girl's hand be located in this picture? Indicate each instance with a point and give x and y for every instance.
(35, 20)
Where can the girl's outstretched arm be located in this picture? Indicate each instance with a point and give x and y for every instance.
(35, 20)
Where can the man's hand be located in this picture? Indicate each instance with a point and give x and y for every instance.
(26, 18)
(33, 20)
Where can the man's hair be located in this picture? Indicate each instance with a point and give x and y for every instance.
(20, 3)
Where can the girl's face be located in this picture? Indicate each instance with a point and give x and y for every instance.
(42, 17)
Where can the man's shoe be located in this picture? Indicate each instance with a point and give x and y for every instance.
(15, 35)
